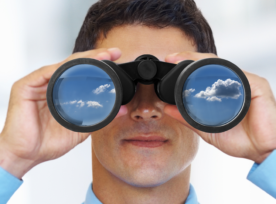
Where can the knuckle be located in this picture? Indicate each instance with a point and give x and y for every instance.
(15, 85)
(264, 82)
(262, 86)
(41, 68)
(15, 88)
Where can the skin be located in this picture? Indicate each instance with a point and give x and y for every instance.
(123, 173)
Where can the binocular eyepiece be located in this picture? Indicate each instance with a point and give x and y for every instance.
(213, 95)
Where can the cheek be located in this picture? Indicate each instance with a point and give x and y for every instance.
(101, 141)
(102, 148)
(188, 146)
(104, 143)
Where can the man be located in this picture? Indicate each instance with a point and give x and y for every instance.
(172, 30)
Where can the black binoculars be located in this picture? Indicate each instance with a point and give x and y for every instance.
(213, 95)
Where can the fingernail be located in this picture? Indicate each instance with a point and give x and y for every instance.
(122, 111)
(103, 56)
(113, 49)
(171, 55)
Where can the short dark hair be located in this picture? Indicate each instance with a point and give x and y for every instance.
(184, 14)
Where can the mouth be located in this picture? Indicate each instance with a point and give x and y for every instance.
(150, 141)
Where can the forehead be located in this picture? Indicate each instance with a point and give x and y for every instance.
(136, 40)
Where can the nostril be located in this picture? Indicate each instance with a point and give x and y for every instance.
(137, 117)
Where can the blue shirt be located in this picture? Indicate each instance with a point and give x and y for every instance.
(263, 175)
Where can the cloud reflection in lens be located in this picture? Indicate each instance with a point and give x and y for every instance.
(213, 95)
(84, 95)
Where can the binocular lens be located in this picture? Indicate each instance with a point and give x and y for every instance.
(213, 95)
(84, 95)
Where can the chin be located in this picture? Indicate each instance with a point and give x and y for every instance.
(148, 178)
(150, 183)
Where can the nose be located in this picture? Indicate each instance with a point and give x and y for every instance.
(146, 105)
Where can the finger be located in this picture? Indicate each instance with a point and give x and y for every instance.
(83, 137)
(122, 111)
(42, 76)
(173, 111)
(259, 86)
(177, 57)
(99, 54)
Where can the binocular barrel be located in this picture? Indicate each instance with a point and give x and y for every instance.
(213, 95)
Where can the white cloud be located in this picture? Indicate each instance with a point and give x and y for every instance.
(101, 88)
(81, 103)
(72, 102)
(93, 104)
(213, 98)
(221, 89)
(112, 91)
(186, 93)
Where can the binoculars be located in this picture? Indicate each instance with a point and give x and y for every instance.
(213, 95)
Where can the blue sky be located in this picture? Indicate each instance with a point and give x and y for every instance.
(213, 95)
(84, 95)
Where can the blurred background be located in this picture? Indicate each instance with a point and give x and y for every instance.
(37, 33)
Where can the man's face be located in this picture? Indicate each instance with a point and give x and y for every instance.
(136, 165)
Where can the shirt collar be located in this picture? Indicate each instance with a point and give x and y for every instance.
(92, 199)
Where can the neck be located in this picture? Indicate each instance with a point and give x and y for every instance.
(110, 189)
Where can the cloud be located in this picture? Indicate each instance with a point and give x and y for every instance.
(186, 93)
(101, 88)
(221, 89)
(93, 104)
(81, 103)
(72, 102)
(112, 91)
(213, 98)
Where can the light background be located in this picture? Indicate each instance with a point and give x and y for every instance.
(37, 33)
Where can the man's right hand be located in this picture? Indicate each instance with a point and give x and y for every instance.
(31, 135)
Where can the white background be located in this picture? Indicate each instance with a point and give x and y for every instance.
(37, 33)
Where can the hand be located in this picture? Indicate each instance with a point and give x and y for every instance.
(30, 134)
(254, 137)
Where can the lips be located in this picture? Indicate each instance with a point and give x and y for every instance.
(146, 141)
